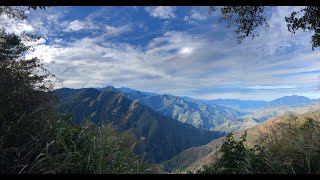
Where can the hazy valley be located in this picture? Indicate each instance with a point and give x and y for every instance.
(176, 131)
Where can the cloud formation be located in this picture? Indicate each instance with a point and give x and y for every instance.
(162, 12)
(75, 25)
(201, 62)
(197, 14)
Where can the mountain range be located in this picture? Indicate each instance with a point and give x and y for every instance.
(162, 137)
(219, 114)
(179, 132)
(197, 114)
(290, 101)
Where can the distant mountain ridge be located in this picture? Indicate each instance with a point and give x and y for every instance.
(236, 103)
(290, 101)
(128, 90)
(218, 114)
(155, 118)
(163, 137)
(108, 88)
(198, 114)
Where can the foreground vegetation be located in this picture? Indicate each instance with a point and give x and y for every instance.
(34, 138)
(46, 142)
(292, 147)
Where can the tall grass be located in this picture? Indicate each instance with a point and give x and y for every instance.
(291, 147)
(46, 142)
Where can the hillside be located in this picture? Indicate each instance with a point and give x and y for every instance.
(194, 158)
(162, 136)
(237, 125)
(197, 114)
(266, 113)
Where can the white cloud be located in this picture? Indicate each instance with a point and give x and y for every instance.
(116, 31)
(162, 12)
(15, 26)
(58, 41)
(22, 26)
(164, 67)
(277, 39)
(186, 50)
(196, 15)
(47, 22)
(200, 64)
(75, 25)
(38, 42)
(273, 87)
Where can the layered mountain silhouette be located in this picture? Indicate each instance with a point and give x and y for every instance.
(219, 114)
(289, 101)
(167, 125)
(197, 114)
(162, 136)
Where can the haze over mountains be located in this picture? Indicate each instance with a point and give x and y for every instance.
(162, 137)
(197, 114)
(290, 101)
(219, 114)
(166, 125)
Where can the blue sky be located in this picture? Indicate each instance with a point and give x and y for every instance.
(175, 50)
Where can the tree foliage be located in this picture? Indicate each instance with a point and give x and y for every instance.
(24, 82)
(309, 21)
(247, 19)
(237, 158)
(12, 12)
(34, 138)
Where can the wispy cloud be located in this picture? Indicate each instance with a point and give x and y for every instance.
(196, 14)
(273, 87)
(75, 25)
(162, 12)
(116, 31)
(202, 63)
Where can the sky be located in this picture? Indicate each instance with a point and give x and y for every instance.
(182, 51)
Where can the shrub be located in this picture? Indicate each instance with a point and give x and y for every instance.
(36, 139)
(46, 142)
(236, 158)
(291, 147)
